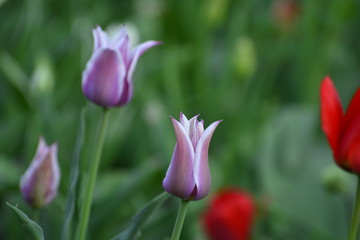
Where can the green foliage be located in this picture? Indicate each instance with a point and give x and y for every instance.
(134, 229)
(32, 228)
(229, 60)
(72, 195)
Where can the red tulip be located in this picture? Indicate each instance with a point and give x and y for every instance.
(342, 130)
(230, 216)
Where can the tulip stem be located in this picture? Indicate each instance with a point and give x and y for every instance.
(35, 214)
(180, 220)
(89, 188)
(356, 214)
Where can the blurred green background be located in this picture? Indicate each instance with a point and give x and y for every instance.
(255, 64)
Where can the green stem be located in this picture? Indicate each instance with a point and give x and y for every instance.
(180, 220)
(89, 190)
(356, 214)
(35, 214)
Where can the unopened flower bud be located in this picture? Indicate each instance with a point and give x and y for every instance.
(188, 176)
(40, 182)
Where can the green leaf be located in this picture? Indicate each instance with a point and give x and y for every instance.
(137, 221)
(14, 74)
(291, 168)
(74, 177)
(9, 173)
(34, 230)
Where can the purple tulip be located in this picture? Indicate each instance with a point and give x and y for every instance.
(40, 182)
(188, 176)
(107, 78)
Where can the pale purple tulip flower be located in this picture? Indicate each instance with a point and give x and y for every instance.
(40, 182)
(107, 78)
(188, 176)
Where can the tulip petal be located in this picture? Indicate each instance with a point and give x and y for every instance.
(136, 54)
(119, 37)
(121, 43)
(100, 38)
(40, 182)
(29, 179)
(127, 93)
(179, 179)
(53, 177)
(193, 134)
(200, 127)
(103, 78)
(185, 122)
(201, 164)
(331, 113)
(41, 149)
(130, 63)
(350, 137)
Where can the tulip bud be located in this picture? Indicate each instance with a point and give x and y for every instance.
(107, 78)
(40, 182)
(229, 216)
(188, 176)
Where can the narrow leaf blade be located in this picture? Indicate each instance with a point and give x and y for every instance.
(139, 219)
(32, 228)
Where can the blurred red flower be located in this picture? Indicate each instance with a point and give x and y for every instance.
(229, 216)
(285, 13)
(342, 130)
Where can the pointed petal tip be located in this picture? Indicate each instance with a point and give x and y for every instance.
(183, 117)
(154, 43)
(327, 83)
(149, 44)
(42, 141)
(327, 78)
(54, 146)
(174, 120)
(216, 123)
(97, 28)
(194, 118)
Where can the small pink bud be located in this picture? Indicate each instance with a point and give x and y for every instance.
(40, 182)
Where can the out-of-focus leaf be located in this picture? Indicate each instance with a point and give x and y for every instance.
(291, 169)
(2, 2)
(140, 218)
(74, 176)
(13, 72)
(9, 173)
(33, 229)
